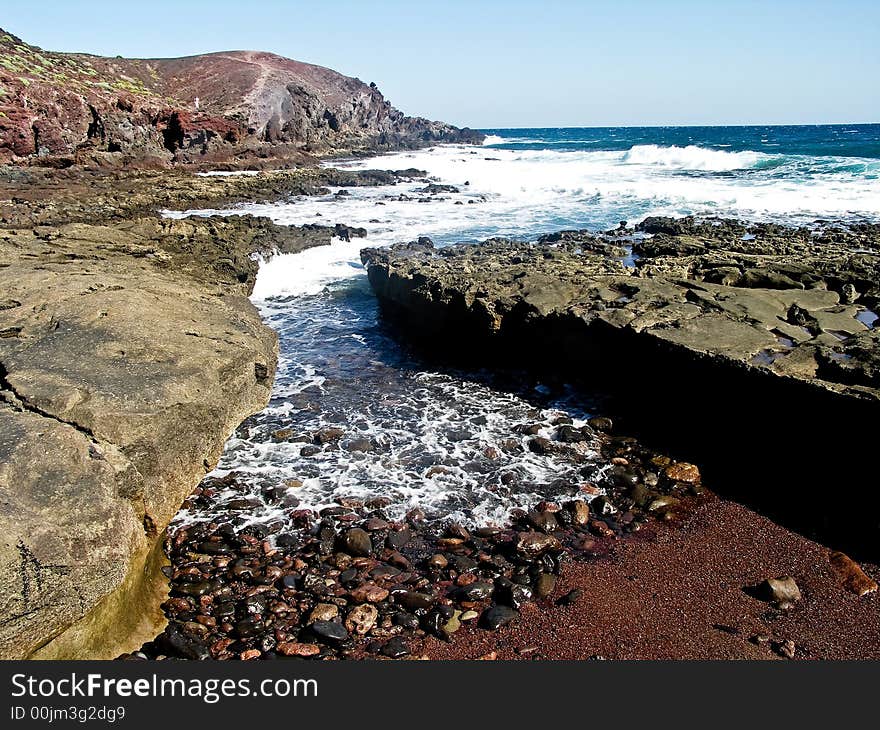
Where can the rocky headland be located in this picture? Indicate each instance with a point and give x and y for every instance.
(232, 109)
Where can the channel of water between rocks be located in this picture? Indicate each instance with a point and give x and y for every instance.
(386, 494)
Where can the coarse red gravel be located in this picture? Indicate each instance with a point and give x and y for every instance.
(679, 594)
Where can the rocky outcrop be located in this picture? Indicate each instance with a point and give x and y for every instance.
(722, 336)
(35, 196)
(128, 353)
(234, 108)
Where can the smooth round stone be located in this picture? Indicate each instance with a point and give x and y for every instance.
(395, 648)
(413, 600)
(329, 632)
(358, 542)
(497, 616)
(437, 561)
(601, 423)
(295, 648)
(323, 612)
(406, 620)
(475, 592)
(399, 538)
(544, 585)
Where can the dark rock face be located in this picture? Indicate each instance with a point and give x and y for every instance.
(723, 336)
(60, 109)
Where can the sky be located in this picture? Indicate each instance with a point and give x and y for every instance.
(524, 64)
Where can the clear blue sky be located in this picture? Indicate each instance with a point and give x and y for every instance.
(513, 63)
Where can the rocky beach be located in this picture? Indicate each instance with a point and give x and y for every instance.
(249, 409)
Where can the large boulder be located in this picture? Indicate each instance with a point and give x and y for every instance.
(128, 355)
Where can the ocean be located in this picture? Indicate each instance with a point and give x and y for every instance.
(419, 434)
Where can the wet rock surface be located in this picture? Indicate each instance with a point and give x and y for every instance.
(36, 196)
(796, 302)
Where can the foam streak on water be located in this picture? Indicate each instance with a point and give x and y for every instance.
(434, 440)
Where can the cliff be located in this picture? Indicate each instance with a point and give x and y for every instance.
(231, 108)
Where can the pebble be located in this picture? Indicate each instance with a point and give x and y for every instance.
(369, 593)
(406, 620)
(453, 624)
(571, 435)
(323, 612)
(329, 631)
(475, 592)
(357, 542)
(399, 538)
(786, 648)
(544, 585)
(543, 521)
(361, 619)
(683, 472)
(662, 504)
(437, 561)
(329, 434)
(413, 600)
(497, 616)
(295, 648)
(580, 511)
(512, 594)
(536, 543)
(395, 648)
(570, 598)
(783, 590)
(601, 423)
(854, 579)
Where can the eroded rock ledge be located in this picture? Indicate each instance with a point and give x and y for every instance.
(128, 353)
(749, 348)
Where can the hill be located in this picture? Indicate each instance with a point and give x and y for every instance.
(230, 108)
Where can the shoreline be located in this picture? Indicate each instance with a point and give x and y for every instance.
(123, 337)
(176, 261)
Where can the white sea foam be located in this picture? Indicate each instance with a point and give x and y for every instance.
(307, 272)
(691, 158)
(525, 193)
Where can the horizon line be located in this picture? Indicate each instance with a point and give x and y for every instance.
(695, 126)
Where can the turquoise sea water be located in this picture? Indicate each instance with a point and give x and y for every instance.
(845, 140)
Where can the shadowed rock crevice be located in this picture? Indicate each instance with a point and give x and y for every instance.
(13, 398)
